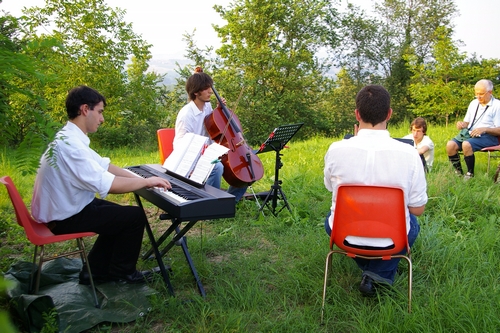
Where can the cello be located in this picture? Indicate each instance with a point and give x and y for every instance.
(242, 167)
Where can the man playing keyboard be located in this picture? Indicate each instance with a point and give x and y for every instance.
(70, 175)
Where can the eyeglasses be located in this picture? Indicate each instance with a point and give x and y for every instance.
(482, 94)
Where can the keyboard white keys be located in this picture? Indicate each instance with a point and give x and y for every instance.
(165, 193)
(170, 195)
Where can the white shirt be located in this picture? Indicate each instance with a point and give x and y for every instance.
(485, 117)
(374, 158)
(429, 153)
(63, 189)
(191, 120)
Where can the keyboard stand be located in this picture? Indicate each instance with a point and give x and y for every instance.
(161, 265)
(178, 239)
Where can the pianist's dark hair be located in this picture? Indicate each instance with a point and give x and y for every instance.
(197, 82)
(79, 96)
(373, 103)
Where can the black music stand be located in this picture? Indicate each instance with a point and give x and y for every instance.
(277, 141)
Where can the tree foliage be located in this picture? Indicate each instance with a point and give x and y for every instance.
(442, 88)
(269, 64)
(437, 89)
(340, 104)
(95, 47)
(23, 121)
(376, 47)
(271, 68)
(360, 47)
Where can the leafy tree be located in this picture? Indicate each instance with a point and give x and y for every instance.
(140, 119)
(473, 69)
(96, 46)
(412, 24)
(269, 71)
(442, 89)
(438, 89)
(340, 105)
(9, 46)
(409, 29)
(379, 46)
(24, 123)
(358, 52)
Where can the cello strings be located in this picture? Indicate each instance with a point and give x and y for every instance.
(232, 113)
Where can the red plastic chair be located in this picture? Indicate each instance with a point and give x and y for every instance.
(492, 153)
(165, 142)
(39, 235)
(369, 211)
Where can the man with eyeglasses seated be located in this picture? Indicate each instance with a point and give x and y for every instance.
(479, 129)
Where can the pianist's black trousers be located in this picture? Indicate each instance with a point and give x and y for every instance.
(120, 230)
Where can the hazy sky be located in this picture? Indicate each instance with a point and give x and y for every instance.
(163, 22)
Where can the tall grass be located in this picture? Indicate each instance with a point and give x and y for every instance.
(265, 274)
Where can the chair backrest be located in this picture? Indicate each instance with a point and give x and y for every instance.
(36, 232)
(370, 211)
(165, 142)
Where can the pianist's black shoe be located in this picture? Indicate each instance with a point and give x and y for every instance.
(134, 278)
(84, 278)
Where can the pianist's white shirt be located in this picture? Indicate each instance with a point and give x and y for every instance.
(63, 189)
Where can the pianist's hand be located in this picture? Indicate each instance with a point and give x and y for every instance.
(158, 182)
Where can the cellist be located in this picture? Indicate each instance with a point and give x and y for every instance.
(190, 119)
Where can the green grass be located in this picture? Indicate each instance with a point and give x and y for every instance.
(266, 274)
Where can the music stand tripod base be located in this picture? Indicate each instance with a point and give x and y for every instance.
(277, 141)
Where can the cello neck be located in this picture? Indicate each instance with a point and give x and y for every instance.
(227, 113)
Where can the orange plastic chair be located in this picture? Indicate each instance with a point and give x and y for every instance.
(39, 235)
(369, 211)
(165, 142)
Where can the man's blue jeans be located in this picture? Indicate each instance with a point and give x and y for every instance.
(215, 180)
(383, 271)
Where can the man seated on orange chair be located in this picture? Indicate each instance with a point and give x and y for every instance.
(70, 175)
(372, 157)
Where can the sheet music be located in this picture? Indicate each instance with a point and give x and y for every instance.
(205, 163)
(184, 157)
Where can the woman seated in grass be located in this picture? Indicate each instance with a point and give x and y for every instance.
(422, 142)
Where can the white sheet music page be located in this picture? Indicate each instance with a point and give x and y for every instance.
(185, 155)
(207, 161)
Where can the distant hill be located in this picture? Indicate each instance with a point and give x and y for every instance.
(168, 67)
(163, 65)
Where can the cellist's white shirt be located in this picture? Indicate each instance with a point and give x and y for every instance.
(191, 120)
